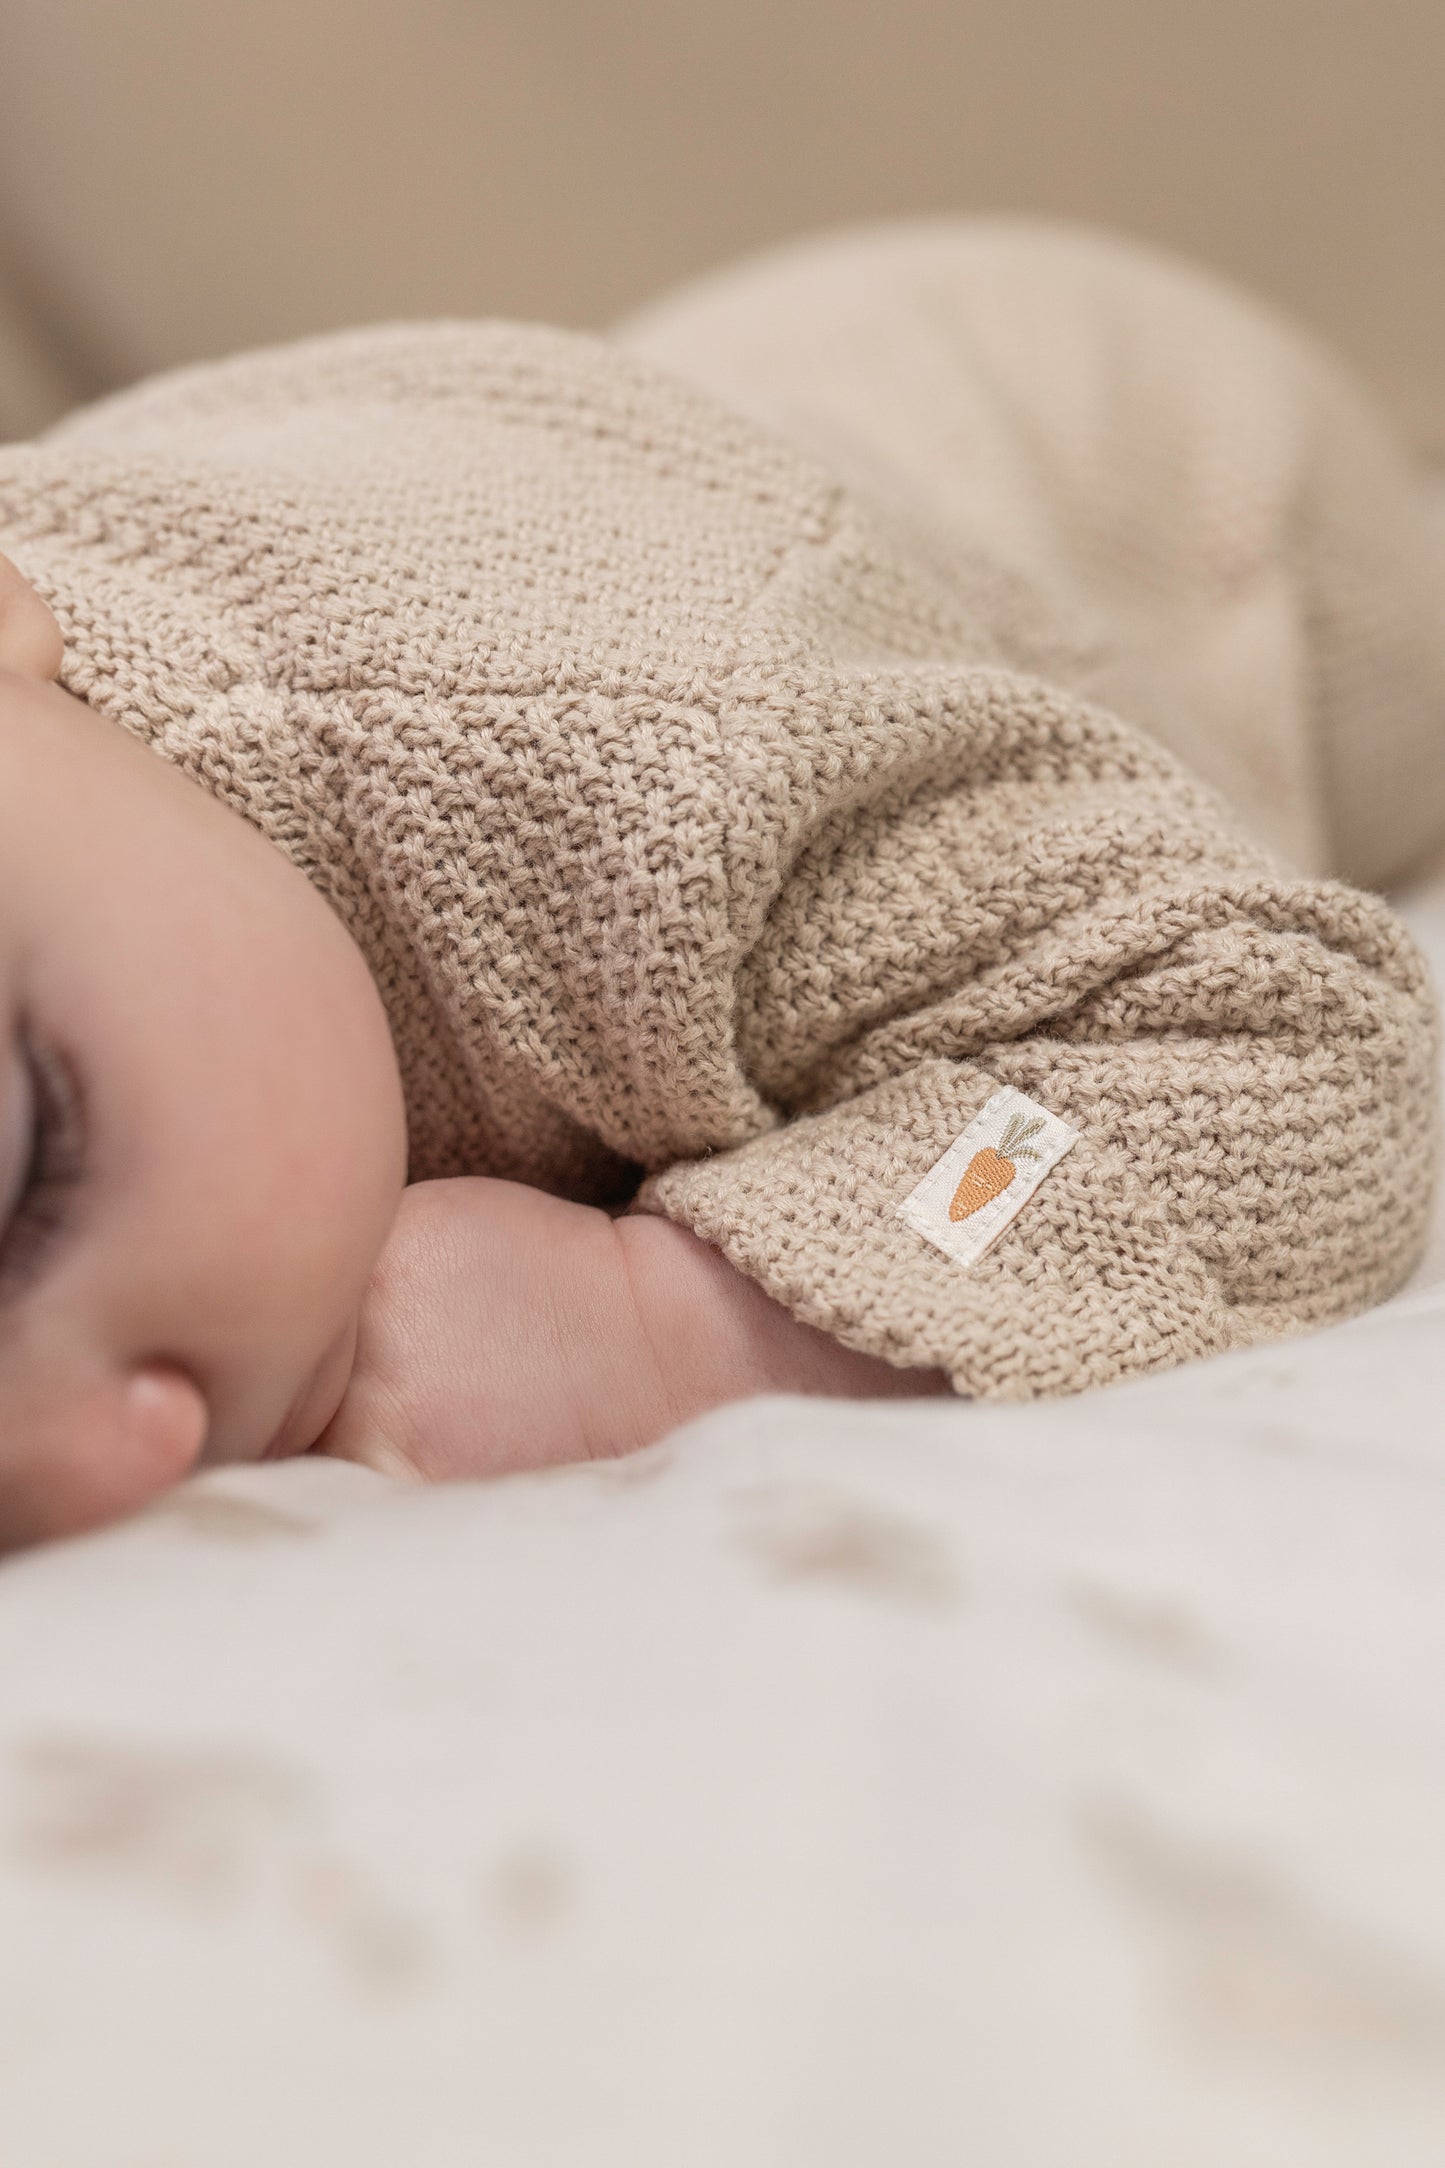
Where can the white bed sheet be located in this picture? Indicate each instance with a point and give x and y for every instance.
(1042, 1788)
(1046, 1789)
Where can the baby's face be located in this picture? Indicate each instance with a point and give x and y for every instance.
(201, 1128)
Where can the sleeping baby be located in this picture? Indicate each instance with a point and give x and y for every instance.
(549, 882)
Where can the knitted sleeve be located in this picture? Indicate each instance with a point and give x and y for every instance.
(1071, 1082)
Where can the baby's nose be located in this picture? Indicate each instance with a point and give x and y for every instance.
(119, 1444)
(163, 1419)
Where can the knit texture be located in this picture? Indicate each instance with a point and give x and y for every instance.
(1169, 498)
(709, 817)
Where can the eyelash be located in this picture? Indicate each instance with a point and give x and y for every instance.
(57, 1165)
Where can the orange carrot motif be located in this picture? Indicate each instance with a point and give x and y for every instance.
(990, 1170)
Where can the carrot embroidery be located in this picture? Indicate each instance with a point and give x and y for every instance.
(998, 1161)
(990, 1171)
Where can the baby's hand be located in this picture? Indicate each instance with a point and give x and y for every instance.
(505, 1329)
(498, 1332)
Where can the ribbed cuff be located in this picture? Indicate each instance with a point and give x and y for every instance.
(1089, 1283)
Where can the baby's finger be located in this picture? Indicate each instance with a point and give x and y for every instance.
(351, 1436)
(372, 1450)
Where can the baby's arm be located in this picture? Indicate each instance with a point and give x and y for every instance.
(506, 1329)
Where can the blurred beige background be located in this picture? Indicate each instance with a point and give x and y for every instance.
(180, 177)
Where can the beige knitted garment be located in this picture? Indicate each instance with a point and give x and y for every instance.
(750, 818)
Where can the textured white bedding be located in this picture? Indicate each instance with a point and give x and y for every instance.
(1051, 1789)
(1046, 1788)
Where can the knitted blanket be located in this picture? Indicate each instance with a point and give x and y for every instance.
(788, 824)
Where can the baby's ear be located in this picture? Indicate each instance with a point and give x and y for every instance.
(30, 639)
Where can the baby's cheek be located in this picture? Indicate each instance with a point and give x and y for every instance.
(30, 639)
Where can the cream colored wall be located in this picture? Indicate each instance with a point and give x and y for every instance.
(182, 176)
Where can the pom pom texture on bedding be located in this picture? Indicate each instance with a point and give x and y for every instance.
(736, 813)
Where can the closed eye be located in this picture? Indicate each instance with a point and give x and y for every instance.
(54, 1168)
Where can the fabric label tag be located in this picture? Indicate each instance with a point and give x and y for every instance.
(987, 1175)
